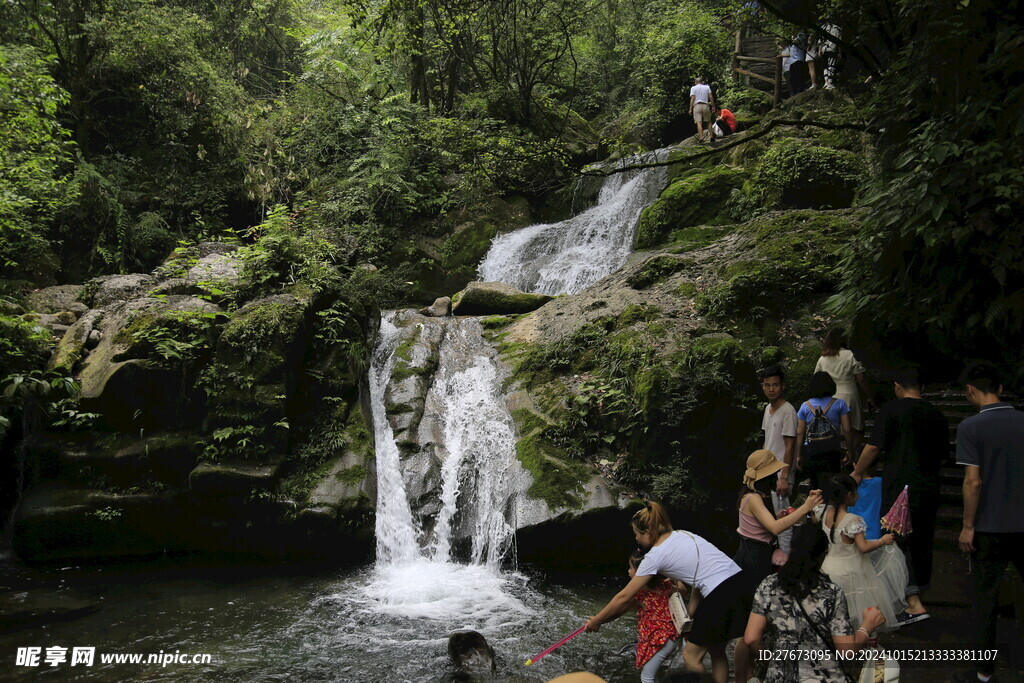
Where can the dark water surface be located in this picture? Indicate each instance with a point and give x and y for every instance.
(271, 624)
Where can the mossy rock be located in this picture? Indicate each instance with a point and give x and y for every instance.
(495, 298)
(795, 173)
(697, 237)
(657, 269)
(791, 257)
(557, 481)
(693, 199)
(261, 334)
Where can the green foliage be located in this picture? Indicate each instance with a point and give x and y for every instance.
(23, 345)
(34, 159)
(736, 97)
(682, 40)
(939, 258)
(176, 339)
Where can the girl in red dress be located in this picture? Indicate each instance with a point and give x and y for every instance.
(657, 633)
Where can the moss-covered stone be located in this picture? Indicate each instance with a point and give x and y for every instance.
(490, 298)
(795, 173)
(557, 481)
(635, 313)
(789, 257)
(658, 269)
(261, 333)
(686, 289)
(693, 199)
(690, 239)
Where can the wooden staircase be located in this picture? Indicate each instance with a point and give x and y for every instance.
(756, 62)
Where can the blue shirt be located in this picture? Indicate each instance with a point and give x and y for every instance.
(993, 440)
(869, 506)
(834, 414)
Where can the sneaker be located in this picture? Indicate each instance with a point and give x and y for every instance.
(904, 618)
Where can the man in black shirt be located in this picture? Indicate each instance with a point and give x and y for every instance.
(914, 438)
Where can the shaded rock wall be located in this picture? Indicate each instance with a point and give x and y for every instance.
(214, 430)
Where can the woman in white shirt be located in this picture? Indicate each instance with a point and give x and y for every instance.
(848, 374)
(717, 598)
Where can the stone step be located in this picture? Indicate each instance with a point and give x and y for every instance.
(951, 494)
(949, 516)
(60, 519)
(952, 475)
(947, 539)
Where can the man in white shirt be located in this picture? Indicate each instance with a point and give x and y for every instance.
(701, 103)
(779, 425)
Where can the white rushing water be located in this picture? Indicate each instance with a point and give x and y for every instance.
(416, 576)
(395, 530)
(567, 257)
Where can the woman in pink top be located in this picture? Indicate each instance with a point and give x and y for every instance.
(758, 528)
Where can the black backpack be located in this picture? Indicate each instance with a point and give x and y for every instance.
(822, 436)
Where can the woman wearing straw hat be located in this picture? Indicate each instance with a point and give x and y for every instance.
(758, 528)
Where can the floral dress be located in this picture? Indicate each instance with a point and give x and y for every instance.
(653, 621)
(789, 630)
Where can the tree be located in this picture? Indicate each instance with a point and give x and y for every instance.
(35, 158)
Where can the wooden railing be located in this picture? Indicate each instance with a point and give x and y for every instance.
(740, 61)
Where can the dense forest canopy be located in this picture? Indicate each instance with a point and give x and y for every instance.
(132, 126)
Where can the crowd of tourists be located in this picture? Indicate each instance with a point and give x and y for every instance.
(825, 576)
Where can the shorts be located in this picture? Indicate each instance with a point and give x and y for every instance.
(722, 615)
(701, 112)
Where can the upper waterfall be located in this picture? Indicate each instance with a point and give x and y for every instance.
(566, 257)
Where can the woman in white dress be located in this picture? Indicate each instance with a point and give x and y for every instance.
(871, 573)
(848, 373)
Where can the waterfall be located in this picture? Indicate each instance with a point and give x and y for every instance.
(396, 533)
(567, 257)
(474, 438)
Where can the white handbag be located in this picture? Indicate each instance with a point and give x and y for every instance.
(681, 618)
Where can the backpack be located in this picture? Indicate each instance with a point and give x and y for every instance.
(822, 436)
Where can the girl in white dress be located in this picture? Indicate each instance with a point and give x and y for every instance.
(871, 573)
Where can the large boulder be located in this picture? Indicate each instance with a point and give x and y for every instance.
(117, 380)
(218, 269)
(495, 298)
(55, 299)
(111, 289)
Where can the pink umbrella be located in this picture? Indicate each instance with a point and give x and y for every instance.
(557, 645)
(897, 520)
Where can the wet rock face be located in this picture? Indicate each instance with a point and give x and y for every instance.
(405, 401)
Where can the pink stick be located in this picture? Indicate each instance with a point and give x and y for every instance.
(557, 645)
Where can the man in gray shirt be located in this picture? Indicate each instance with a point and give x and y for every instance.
(990, 446)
